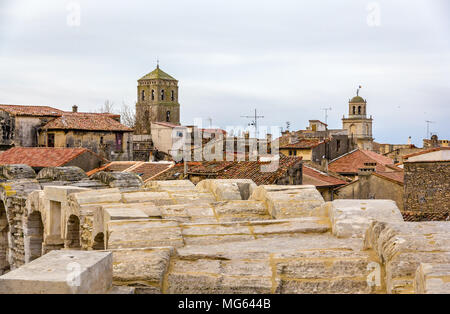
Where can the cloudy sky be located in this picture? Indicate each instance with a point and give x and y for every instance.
(288, 59)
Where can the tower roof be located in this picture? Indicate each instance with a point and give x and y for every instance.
(357, 99)
(157, 74)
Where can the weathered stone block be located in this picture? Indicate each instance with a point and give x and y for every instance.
(61, 272)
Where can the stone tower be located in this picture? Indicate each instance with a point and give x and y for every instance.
(157, 95)
(358, 125)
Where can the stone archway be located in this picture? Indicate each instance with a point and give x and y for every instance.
(99, 242)
(34, 236)
(72, 239)
(4, 243)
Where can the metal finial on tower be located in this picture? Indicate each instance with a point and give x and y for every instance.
(357, 91)
(157, 62)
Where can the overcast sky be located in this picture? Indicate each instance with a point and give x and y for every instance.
(288, 59)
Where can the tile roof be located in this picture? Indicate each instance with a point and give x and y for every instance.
(301, 143)
(85, 121)
(157, 74)
(145, 170)
(426, 151)
(396, 176)
(41, 156)
(39, 111)
(167, 124)
(233, 170)
(318, 178)
(354, 160)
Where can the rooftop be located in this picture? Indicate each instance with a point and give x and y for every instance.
(38, 111)
(41, 156)
(318, 178)
(354, 160)
(157, 74)
(85, 121)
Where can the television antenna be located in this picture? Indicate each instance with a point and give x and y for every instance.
(254, 122)
(428, 128)
(326, 114)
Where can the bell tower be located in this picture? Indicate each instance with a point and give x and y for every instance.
(357, 124)
(157, 100)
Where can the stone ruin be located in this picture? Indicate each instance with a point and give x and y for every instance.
(221, 236)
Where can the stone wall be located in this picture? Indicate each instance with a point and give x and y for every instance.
(427, 187)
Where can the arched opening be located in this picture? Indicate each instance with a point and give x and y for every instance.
(354, 110)
(143, 95)
(34, 236)
(153, 94)
(4, 247)
(99, 242)
(359, 109)
(73, 233)
(172, 95)
(162, 94)
(168, 116)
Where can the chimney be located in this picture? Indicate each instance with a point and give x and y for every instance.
(368, 169)
(409, 140)
(74, 108)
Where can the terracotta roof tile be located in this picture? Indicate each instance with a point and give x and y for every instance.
(20, 110)
(233, 170)
(426, 151)
(40, 156)
(148, 170)
(353, 161)
(397, 176)
(86, 121)
(319, 178)
(301, 143)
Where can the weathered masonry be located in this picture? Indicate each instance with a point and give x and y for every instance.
(220, 236)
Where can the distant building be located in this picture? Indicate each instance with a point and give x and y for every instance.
(99, 132)
(357, 123)
(20, 124)
(374, 185)
(427, 184)
(435, 142)
(43, 157)
(351, 163)
(157, 101)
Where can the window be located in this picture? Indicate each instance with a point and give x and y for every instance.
(354, 109)
(338, 145)
(119, 137)
(50, 140)
(153, 94)
(162, 94)
(168, 116)
(143, 95)
(359, 109)
(101, 140)
(172, 95)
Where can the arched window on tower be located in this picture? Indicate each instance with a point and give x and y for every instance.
(359, 109)
(162, 94)
(153, 94)
(354, 110)
(172, 95)
(168, 116)
(143, 95)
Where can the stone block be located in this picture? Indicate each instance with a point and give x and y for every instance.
(143, 233)
(61, 272)
(351, 218)
(432, 279)
(112, 195)
(142, 268)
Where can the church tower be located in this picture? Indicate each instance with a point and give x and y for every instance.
(157, 95)
(357, 124)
